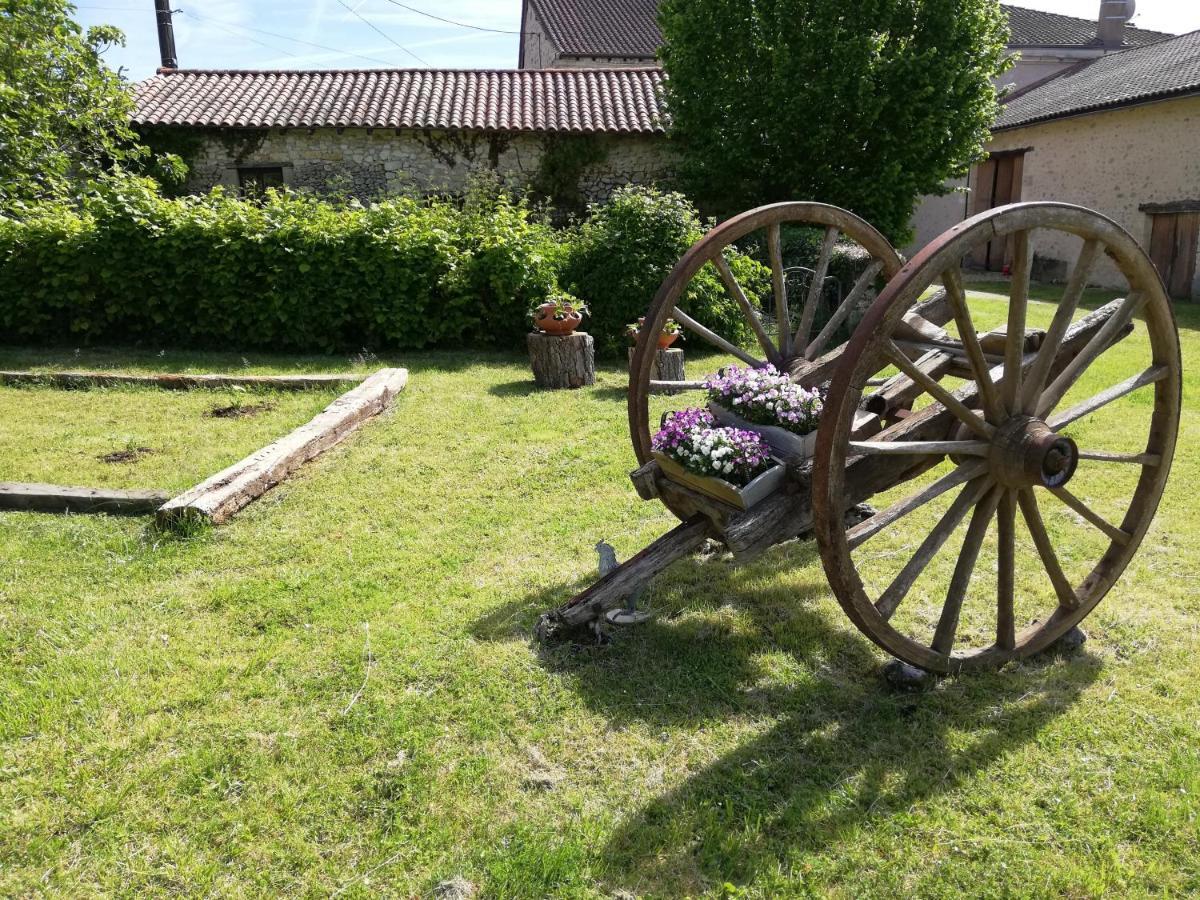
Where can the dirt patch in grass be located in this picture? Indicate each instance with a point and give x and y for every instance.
(240, 410)
(128, 455)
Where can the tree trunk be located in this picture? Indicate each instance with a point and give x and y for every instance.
(562, 361)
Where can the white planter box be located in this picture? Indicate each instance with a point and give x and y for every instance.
(720, 489)
(786, 444)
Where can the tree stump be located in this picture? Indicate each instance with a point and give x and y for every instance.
(669, 363)
(668, 366)
(562, 361)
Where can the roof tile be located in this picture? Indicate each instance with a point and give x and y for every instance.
(562, 100)
(1166, 69)
(628, 29)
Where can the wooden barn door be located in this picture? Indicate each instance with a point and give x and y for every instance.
(1173, 241)
(997, 182)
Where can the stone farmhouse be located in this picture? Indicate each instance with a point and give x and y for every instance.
(1098, 112)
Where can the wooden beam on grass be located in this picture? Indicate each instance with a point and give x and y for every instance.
(220, 497)
(56, 498)
(80, 380)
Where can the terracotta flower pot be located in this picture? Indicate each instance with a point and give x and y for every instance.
(545, 321)
(665, 340)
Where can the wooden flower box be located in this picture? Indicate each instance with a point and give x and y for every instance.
(785, 444)
(720, 489)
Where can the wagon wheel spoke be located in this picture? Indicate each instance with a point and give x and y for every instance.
(872, 526)
(779, 283)
(970, 495)
(1006, 574)
(947, 627)
(1097, 345)
(921, 448)
(1007, 430)
(1035, 379)
(964, 414)
(1041, 540)
(715, 339)
(1137, 459)
(815, 289)
(1111, 531)
(735, 291)
(1101, 400)
(813, 350)
(957, 295)
(1018, 303)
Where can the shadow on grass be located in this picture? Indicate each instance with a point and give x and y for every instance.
(840, 748)
(524, 387)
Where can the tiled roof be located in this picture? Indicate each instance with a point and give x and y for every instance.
(629, 28)
(1034, 28)
(559, 100)
(622, 28)
(1166, 69)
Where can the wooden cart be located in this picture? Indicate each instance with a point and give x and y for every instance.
(905, 399)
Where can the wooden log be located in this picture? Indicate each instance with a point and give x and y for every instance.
(779, 518)
(562, 361)
(645, 480)
(669, 365)
(83, 380)
(54, 498)
(218, 498)
(627, 579)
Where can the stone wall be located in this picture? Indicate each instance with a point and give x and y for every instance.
(1113, 162)
(369, 164)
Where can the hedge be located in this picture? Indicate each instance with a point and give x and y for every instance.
(293, 272)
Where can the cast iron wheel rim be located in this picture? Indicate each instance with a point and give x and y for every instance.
(886, 263)
(864, 355)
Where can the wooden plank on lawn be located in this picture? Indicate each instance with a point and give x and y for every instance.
(55, 498)
(81, 380)
(218, 498)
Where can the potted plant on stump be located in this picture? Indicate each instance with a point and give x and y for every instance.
(561, 356)
(668, 362)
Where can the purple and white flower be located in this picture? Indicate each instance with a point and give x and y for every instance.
(692, 438)
(766, 396)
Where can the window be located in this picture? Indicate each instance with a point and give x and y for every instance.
(254, 180)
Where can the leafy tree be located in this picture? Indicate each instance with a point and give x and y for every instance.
(866, 104)
(64, 115)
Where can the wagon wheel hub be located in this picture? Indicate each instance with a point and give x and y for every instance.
(1026, 452)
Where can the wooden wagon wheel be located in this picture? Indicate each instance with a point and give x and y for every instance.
(1007, 453)
(807, 356)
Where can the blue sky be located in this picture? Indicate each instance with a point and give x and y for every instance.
(233, 33)
(230, 33)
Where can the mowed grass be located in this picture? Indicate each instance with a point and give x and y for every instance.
(337, 694)
(136, 437)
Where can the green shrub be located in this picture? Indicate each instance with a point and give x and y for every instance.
(294, 272)
(620, 256)
(290, 272)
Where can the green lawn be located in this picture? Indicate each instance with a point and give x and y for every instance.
(336, 693)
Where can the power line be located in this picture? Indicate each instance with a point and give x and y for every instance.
(430, 15)
(386, 62)
(245, 37)
(381, 33)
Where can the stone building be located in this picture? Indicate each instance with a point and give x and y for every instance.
(557, 34)
(579, 133)
(1098, 112)
(1119, 134)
